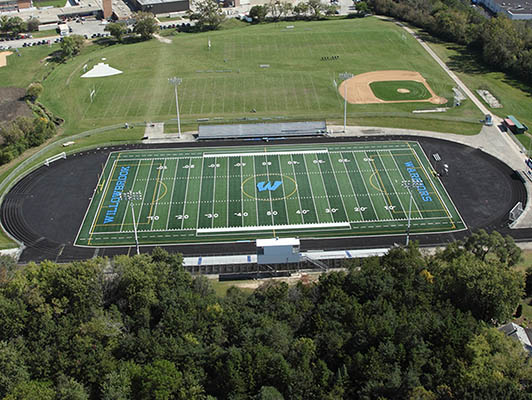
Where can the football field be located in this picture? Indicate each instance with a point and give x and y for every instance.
(202, 195)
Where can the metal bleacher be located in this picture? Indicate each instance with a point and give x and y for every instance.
(262, 130)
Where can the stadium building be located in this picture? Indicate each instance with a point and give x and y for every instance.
(14, 5)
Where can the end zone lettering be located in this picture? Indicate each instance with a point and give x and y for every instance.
(418, 182)
(115, 198)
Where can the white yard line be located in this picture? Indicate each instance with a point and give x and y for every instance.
(199, 195)
(144, 196)
(256, 194)
(405, 211)
(183, 212)
(269, 191)
(298, 196)
(158, 194)
(324, 189)
(398, 169)
(227, 196)
(213, 192)
(365, 186)
(311, 191)
(284, 192)
(127, 208)
(374, 169)
(338, 186)
(172, 195)
(352, 188)
(241, 193)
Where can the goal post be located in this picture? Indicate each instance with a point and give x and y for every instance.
(54, 158)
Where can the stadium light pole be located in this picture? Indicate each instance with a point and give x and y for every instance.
(345, 76)
(176, 82)
(409, 185)
(130, 196)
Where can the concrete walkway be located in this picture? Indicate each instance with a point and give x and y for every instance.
(154, 134)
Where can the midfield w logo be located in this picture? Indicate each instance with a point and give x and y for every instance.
(262, 186)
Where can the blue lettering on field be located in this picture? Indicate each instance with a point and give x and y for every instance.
(262, 186)
(115, 198)
(418, 182)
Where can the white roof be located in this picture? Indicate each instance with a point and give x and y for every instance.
(100, 70)
(277, 242)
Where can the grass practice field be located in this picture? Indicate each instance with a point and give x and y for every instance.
(228, 81)
(244, 193)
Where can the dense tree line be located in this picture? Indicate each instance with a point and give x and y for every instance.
(402, 326)
(21, 134)
(504, 44)
(16, 25)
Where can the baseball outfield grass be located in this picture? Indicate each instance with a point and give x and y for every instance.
(267, 68)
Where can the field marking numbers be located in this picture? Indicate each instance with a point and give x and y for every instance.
(185, 198)
(199, 195)
(383, 189)
(242, 164)
(216, 166)
(338, 186)
(298, 196)
(394, 188)
(256, 194)
(132, 187)
(172, 195)
(267, 164)
(324, 187)
(365, 186)
(159, 179)
(357, 208)
(311, 191)
(402, 176)
(227, 193)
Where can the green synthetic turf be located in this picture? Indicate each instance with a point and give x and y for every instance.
(350, 189)
(387, 90)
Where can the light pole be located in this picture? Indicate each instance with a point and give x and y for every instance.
(130, 196)
(409, 185)
(345, 76)
(176, 82)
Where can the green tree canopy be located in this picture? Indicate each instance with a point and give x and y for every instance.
(145, 25)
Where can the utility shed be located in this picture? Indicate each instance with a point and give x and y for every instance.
(278, 251)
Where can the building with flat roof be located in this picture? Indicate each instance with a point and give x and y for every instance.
(513, 9)
(14, 5)
(161, 6)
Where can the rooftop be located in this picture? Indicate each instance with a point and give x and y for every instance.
(148, 2)
(277, 242)
(516, 6)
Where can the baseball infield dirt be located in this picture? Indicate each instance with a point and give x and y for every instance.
(359, 91)
(3, 57)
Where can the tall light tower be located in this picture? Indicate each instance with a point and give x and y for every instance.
(409, 185)
(345, 76)
(130, 197)
(176, 82)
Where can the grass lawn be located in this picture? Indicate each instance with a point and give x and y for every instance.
(221, 288)
(50, 3)
(513, 95)
(228, 82)
(391, 90)
(44, 34)
(169, 19)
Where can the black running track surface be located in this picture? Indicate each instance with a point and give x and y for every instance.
(46, 208)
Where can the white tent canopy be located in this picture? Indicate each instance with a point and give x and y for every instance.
(101, 70)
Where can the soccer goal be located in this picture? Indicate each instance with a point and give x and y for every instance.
(54, 158)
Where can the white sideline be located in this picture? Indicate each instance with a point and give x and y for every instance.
(264, 153)
(274, 227)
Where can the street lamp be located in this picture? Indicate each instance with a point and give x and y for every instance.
(345, 76)
(176, 82)
(409, 185)
(129, 197)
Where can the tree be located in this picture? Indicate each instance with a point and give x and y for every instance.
(117, 30)
(145, 25)
(69, 389)
(316, 7)
(208, 14)
(362, 7)
(12, 368)
(528, 282)
(331, 9)
(258, 13)
(269, 393)
(301, 9)
(489, 290)
(71, 46)
(33, 24)
(8, 267)
(33, 91)
(32, 390)
(15, 25)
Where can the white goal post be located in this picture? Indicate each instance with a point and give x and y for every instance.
(54, 158)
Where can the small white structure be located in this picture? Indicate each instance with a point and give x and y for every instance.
(278, 251)
(100, 70)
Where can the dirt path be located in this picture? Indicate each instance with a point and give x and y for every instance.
(3, 57)
(359, 91)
